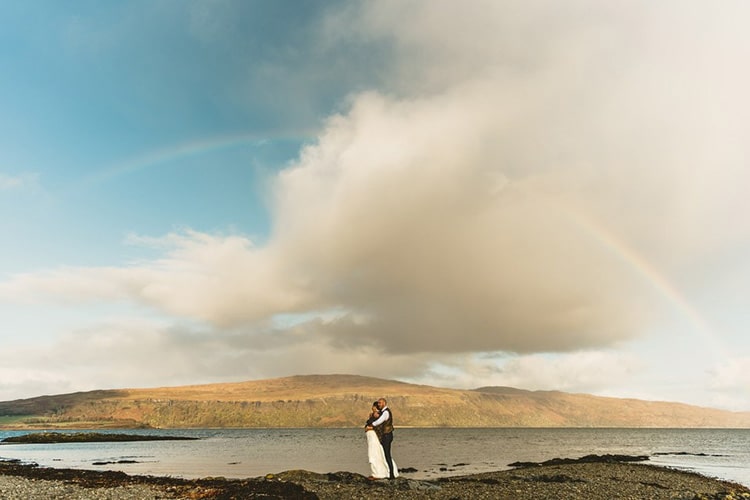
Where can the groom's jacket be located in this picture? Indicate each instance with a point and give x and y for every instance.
(388, 424)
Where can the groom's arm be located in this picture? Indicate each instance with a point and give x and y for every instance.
(382, 418)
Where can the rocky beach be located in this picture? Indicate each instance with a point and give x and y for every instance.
(591, 477)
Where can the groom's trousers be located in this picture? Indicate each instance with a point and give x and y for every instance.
(386, 442)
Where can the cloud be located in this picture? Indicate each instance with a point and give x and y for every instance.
(223, 280)
(583, 371)
(730, 383)
(493, 196)
(12, 182)
(105, 354)
(648, 97)
(422, 254)
(451, 221)
(7, 182)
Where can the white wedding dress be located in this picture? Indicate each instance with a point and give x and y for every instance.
(376, 456)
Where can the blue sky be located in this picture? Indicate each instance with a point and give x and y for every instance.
(458, 194)
(90, 87)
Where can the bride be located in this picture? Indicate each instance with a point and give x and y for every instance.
(375, 453)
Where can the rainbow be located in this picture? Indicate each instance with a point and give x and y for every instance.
(184, 150)
(656, 280)
(586, 224)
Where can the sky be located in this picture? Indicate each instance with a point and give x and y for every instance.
(538, 194)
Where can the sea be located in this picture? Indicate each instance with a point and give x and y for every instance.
(429, 453)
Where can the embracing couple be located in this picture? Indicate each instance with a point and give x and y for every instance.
(379, 432)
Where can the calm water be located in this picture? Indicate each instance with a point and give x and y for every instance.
(236, 453)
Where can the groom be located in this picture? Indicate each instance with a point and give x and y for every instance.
(386, 437)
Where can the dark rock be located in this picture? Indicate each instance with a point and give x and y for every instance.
(115, 462)
(686, 453)
(525, 464)
(588, 459)
(87, 437)
(344, 477)
(213, 488)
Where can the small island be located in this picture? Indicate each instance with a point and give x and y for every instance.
(86, 437)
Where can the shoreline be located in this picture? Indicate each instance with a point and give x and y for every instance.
(594, 477)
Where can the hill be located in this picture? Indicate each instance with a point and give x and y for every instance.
(344, 401)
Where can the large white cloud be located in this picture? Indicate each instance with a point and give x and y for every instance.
(404, 219)
(451, 221)
(496, 196)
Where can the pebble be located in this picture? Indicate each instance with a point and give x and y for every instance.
(560, 482)
(21, 488)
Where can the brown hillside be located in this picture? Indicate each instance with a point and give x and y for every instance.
(344, 400)
(295, 387)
